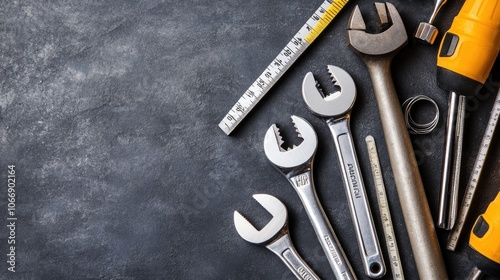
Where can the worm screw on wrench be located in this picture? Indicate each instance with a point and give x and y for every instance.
(335, 108)
(296, 165)
(377, 51)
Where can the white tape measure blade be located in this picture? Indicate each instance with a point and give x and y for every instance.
(263, 84)
(287, 56)
(385, 214)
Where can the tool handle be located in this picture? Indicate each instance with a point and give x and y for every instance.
(359, 207)
(484, 239)
(284, 249)
(304, 185)
(416, 212)
(469, 48)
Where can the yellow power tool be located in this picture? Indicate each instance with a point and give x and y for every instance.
(466, 55)
(485, 242)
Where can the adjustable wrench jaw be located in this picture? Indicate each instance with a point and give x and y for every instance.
(387, 42)
(337, 104)
(296, 166)
(275, 236)
(297, 159)
(275, 228)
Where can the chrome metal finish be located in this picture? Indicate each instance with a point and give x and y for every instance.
(296, 166)
(475, 274)
(275, 236)
(452, 157)
(335, 108)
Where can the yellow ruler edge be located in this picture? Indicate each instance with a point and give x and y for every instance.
(327, 17)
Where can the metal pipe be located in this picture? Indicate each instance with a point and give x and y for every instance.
(411, 193)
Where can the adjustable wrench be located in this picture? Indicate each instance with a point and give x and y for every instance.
(377, 51)
(335, 108)
(275, 236)
(296, 165)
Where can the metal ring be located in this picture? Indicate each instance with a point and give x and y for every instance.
(412, 125)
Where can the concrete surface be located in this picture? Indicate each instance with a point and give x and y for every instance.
(109, 111)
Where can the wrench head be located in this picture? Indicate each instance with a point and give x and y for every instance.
(279, 221)
(335, 104)
(389, 41)
(296, 157)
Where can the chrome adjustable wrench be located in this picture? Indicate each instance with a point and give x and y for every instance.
(275, 236)
(377, 51)
(296, 165)
(335, 108)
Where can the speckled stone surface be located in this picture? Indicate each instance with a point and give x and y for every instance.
(109, 111)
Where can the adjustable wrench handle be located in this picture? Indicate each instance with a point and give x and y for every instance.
(284, 249)
(304, 185)
(419, 224)
(366, 234)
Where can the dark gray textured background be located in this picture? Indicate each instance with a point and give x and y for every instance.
(109, 110)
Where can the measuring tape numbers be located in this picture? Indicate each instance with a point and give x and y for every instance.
(390, 237)
(297, 45)
(476, 173)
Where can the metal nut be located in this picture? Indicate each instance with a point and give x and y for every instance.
(426, 33)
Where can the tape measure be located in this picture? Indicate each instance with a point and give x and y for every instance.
(390, 237)
(476, 173)
(299, 43)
